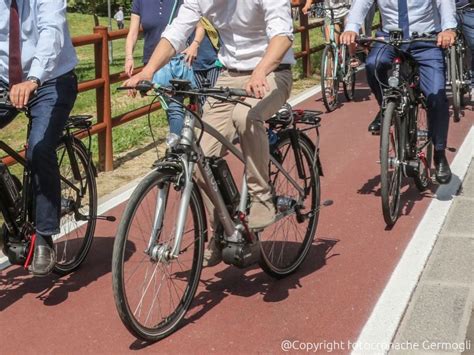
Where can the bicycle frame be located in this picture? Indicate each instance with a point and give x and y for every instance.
(192, 155)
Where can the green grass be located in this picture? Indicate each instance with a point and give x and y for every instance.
(134, 134)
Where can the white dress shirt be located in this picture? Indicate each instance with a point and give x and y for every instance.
(245, 28)
(424, 16)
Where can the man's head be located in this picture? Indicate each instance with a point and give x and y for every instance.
(120, 8)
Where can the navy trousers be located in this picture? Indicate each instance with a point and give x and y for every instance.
(49, 109)
(432, 82)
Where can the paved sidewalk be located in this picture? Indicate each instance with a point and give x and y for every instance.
(440, 316)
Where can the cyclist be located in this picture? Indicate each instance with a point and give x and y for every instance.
(421, 16)
(36, 63)
(340, 16)
(466, 19)
(257, 55)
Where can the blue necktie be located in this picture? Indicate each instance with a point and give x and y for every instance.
(403, 18)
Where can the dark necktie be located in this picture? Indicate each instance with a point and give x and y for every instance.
(403, 18)
(15, 72)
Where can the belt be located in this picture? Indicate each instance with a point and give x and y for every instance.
(249, 72)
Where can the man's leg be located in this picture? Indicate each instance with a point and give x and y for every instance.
(433, 85)
(218, 115)
(379, 61)
(175, 115)
(249, 123)
(49, 109)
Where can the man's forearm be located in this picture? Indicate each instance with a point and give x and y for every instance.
(276, 50)
(163, 52)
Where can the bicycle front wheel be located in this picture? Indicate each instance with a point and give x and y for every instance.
(390, 164)
(152, 290)
(455, 73)
(349, 79)
(329, 79)
(78, 206)
(424, 148)
(285, 244)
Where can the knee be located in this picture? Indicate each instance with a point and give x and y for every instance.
(249, 123)
(40, 155)
(437, 100)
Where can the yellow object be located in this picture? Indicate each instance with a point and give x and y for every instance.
(211, 32)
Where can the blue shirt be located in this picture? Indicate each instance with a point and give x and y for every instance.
(424, 16)
(46, 48)
(154, 17)
(206, 56)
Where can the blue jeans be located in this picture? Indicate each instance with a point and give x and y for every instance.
(466, 18)
(175, 115)
(432, 82)
(49, 110)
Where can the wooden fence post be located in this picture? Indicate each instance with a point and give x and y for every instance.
(305, 44)
(104, 112)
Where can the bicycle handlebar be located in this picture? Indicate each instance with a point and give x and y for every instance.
(367, 40)
(144, 86)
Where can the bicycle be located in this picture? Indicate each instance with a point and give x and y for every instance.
(458, 74)
(78, 199)
(405, 145)
(336, 67)
(158, 251)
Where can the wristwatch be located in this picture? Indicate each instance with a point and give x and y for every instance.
(34, 79)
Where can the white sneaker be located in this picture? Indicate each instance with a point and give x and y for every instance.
(262, 214)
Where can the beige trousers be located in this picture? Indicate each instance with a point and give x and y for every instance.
(229, 118)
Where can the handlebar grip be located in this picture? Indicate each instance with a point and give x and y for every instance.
(239, 92)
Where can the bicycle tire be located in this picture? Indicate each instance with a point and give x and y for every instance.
(126, 251)
(291, 263)
(390, 183)
(455, 87)
(424, 148)
(349, 72)
(80, 219)
(329, 86)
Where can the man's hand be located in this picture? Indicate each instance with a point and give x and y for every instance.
(20, 93)
(307, 6)
(446, 38)
(190, 53)
(133, 81)
(348, 37)
(258, 84)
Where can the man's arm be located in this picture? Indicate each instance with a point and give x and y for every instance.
(355, 20)
(51, 24)
(279, 28)
(447, 13)
(191, 51)
(173, 40)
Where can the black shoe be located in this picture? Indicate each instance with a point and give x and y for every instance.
(44, 259)
(374, 126)
(442, 170)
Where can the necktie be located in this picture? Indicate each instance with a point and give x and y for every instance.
(403, 18)
(15, 72)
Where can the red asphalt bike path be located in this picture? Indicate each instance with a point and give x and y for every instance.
(328, 300)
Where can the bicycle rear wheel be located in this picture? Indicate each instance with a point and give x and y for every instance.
(391, 156)
(78, 206)
(349, 79)
(455, 76)
(153, 291)
(285, 244)
(329, 79)
(424, 148)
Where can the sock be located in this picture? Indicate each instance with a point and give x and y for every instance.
(44, 240)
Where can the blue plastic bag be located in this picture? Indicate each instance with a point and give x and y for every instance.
(175, 69)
